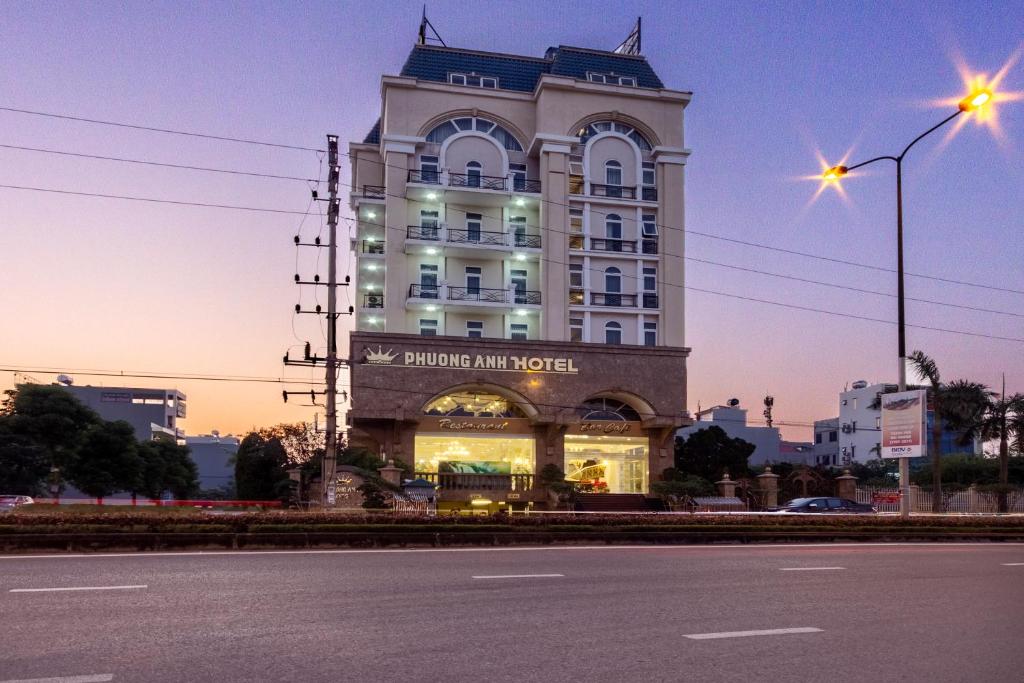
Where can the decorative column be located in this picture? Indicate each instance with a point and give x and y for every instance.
(846, 486)
(399, 154)
(554, 221)
(671, 217)
(726, 487)
(768, 488)
(391, 474)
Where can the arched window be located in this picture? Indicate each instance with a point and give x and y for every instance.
(473, 405)
(613, 226)
(586, 132)
(473, 171)
(446, 129)
(612, 280)
(612, 333)
(607, 409)
(612, 172)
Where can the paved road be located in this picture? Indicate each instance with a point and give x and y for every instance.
(832, 613)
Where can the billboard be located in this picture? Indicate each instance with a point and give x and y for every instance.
(903, 424)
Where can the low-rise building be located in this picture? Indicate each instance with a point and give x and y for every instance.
(152, 413)
(214, 457)
(733, 421)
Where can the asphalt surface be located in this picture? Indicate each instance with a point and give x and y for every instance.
(846, 613)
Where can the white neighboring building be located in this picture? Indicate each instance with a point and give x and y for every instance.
(733, 421)
(860, 428)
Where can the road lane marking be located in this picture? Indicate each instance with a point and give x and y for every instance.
(808, 569)
(745, 634)
(520, 576)
(737, 546)
(1013, 564)
(74, 588)
(89, 678)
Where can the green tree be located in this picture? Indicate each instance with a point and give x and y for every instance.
(107, 460)
(260, 469)
(49, 417)
(998, 418)
(709, 453)
(166, 466)
(24, 464)
(952, 406)
(301, 440)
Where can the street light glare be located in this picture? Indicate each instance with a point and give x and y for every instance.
(835, 173)
(976, 100)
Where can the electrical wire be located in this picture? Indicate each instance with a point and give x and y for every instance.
(550, 202)
(154, 375)
(162, 164)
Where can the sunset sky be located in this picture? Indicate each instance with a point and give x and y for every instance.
(111, 284)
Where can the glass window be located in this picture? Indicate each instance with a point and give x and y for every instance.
(473, 172)
(576, 275)
(518, 173)
(457, 79)
(612, 280)
(627, 80)
(606, 464)
(473, 223)
(429, 169)
(650, 279)
(613, 226)
(612, 333)
(649, 227)
(833, 436)
(612, 172)
(473, 280)
(518, 331)
(474, 328)
(650, 334)
(596, 78)
(444, 130)
(518, 279)
(488, 82)
(575, 329)
(817, 437)
(464, 124)
(648, 174)
(428, 328)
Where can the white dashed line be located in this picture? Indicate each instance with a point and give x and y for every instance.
(745, 634)
(74, 588)
(808, 569)
(89, 678)
(521, 576)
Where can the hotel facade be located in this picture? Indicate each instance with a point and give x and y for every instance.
(519, 273)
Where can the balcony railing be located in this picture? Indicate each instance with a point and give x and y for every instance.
(613, 244)
(430, 233)
(478, 482)
(649, 245)
(650, 300)
(425, 177)
(526, 297)
(374, 247)
(373, 191)
(495, 296)
(526, 241)
(472, 180)
(424, 291)
(525, 185)
(483, 182)
(617, 191)
(483, 237)
(373, 301)
(613, 299)
(649, 194)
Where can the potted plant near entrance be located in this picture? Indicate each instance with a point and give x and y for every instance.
(560, 492)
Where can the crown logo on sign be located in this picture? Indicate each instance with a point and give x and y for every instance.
(380, 357)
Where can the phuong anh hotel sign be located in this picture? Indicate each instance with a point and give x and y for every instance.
(469, 361)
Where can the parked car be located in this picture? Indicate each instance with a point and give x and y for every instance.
(15, 501)
(827, 505)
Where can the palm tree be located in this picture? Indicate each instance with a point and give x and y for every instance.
(956, 405)
(1002, 418)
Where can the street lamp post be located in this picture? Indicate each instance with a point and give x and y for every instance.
(969, 103)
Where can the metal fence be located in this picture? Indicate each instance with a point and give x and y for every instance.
(970, 500)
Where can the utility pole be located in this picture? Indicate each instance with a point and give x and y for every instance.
(331, 360)
(331, 417)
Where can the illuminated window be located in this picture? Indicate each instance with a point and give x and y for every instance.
(470, 404)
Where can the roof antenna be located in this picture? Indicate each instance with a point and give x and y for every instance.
(631, 45)
(424, 24)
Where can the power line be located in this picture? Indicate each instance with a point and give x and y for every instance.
(152, 375)
(161, 164)
(546, 201)
(152, 129)
(152, 200)
(773, 303)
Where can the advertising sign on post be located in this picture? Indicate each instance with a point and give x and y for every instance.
(903, 424)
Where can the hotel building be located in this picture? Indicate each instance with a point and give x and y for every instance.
(519, 273)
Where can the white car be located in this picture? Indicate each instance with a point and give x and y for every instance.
(15, 501)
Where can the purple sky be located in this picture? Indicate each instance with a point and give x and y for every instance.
(104, 283)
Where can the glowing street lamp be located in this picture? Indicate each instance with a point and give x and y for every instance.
(974, 101)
